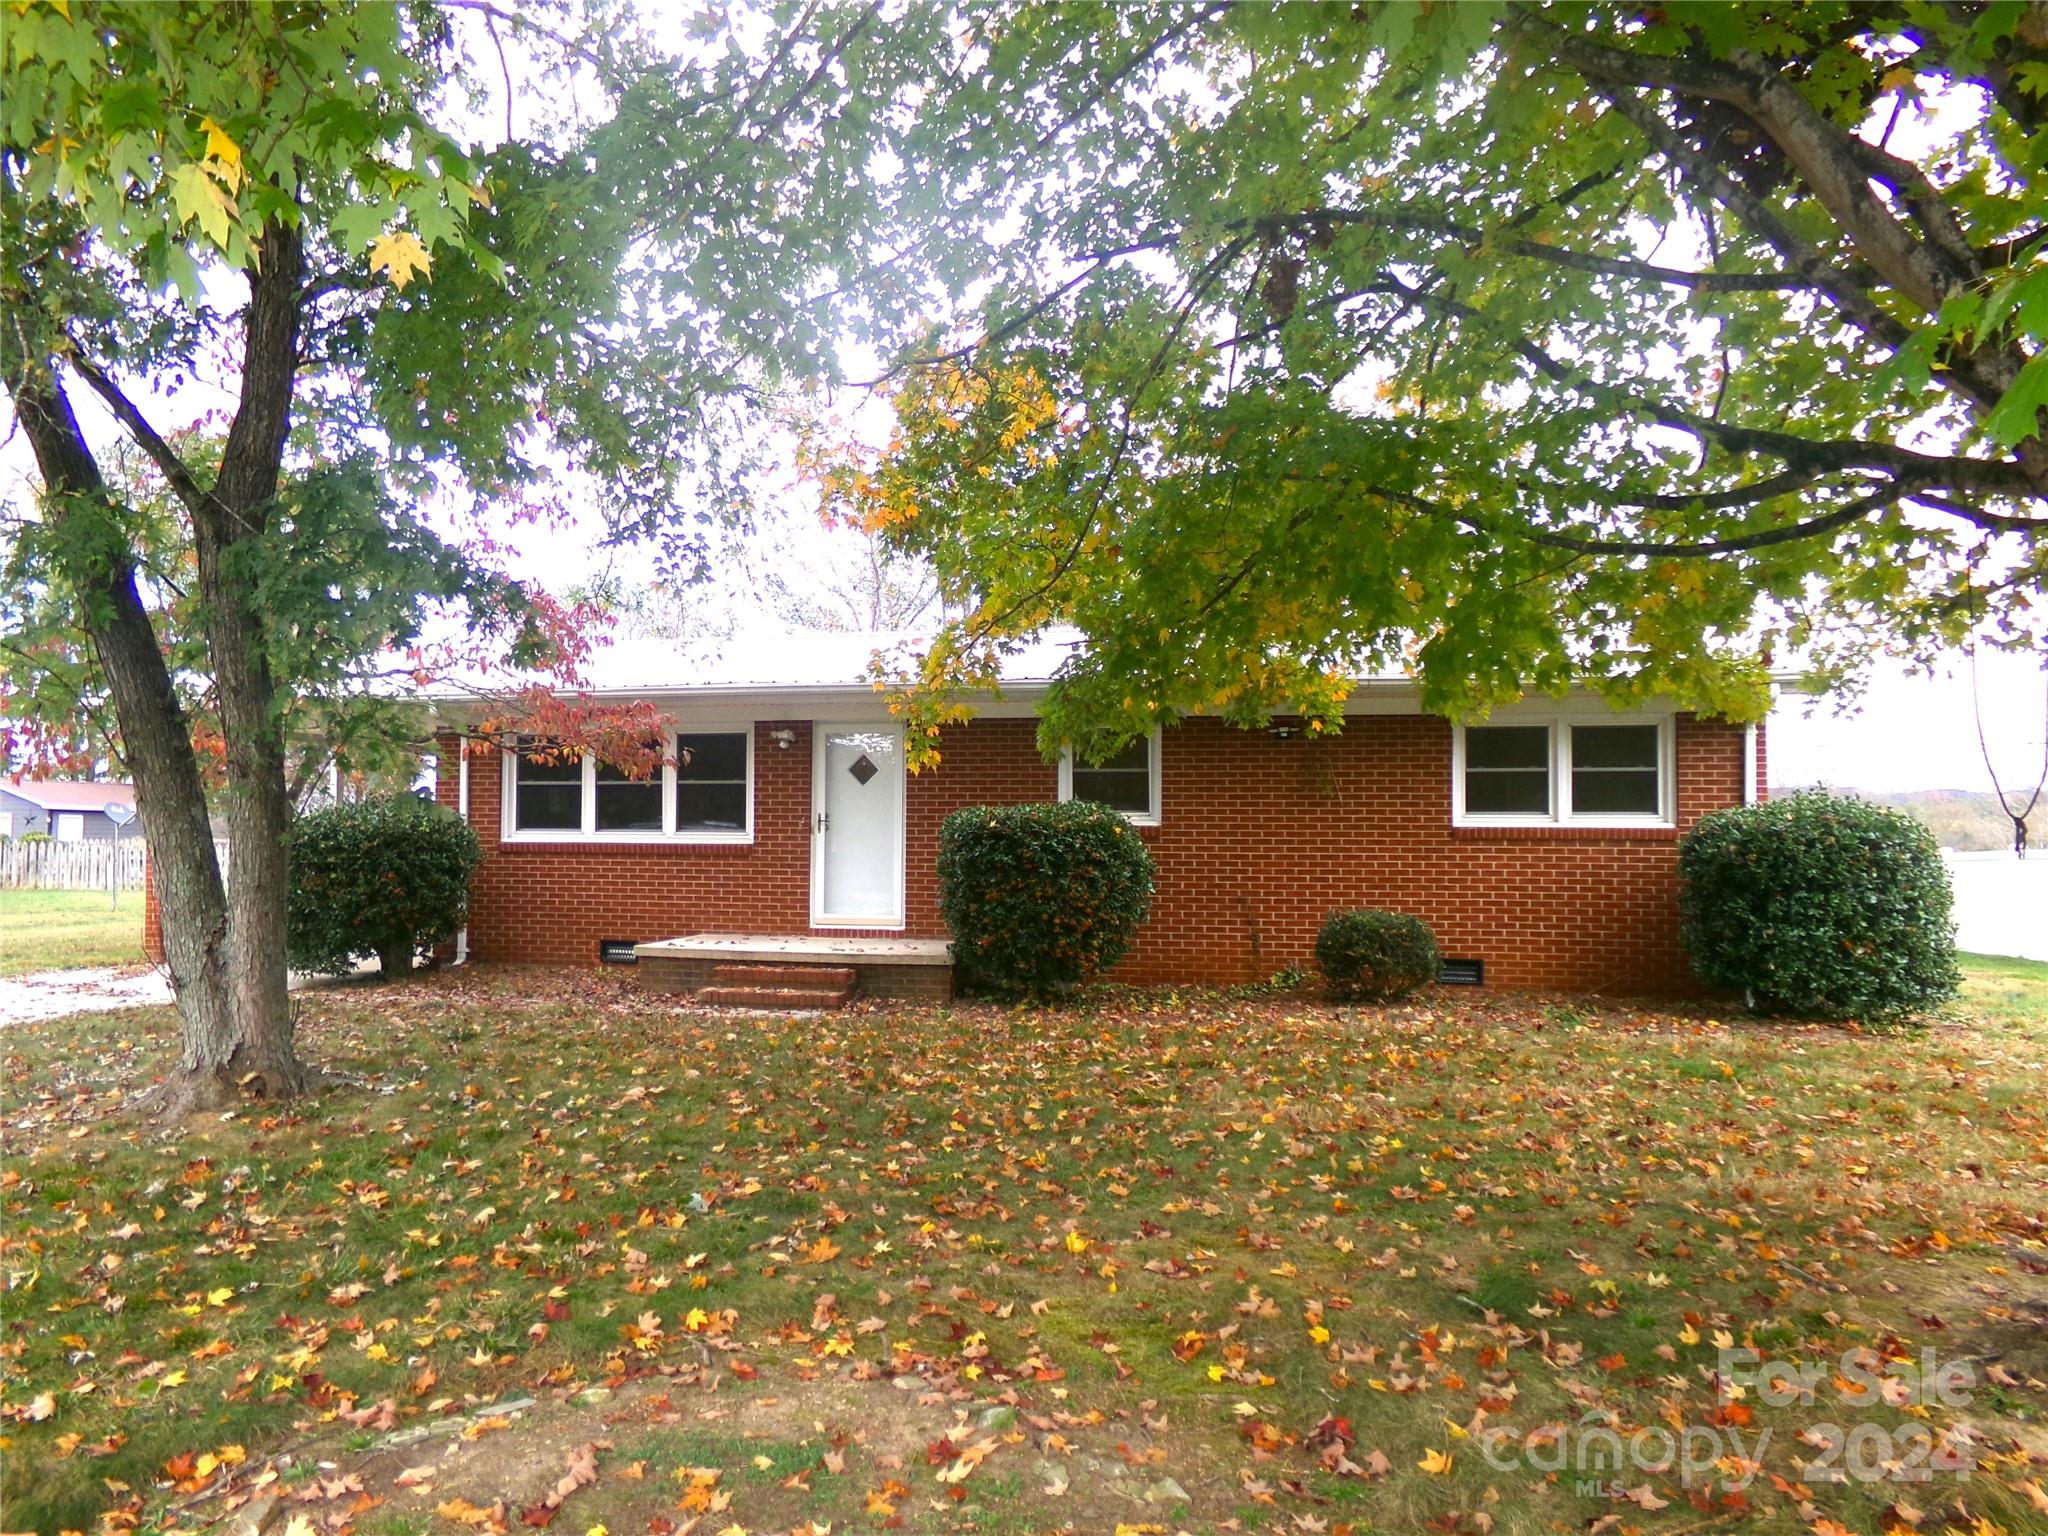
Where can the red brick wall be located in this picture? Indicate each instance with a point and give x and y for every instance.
(1261, 838)
(152, 918)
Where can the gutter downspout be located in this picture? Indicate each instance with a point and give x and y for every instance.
(462, 809)
(1749, 785)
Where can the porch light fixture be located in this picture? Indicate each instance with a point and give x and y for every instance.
(784, 738)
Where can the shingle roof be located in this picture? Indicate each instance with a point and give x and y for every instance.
(71, 794)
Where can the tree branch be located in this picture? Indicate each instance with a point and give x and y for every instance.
(169, 462)
(1985, 476)
(1788, 533)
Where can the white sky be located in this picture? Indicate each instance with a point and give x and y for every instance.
(1912, 731)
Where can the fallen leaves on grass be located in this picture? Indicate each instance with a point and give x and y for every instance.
(1317, 1250)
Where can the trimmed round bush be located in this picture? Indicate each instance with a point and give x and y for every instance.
(1371, 956)
(1819, 906)
(1041, 899)
(387, 877)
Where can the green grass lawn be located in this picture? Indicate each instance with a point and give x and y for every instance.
(1165, 1264)
(68, 930)
(2001, 984)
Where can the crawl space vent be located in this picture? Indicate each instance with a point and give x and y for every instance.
(1463, 973)
(617, 951)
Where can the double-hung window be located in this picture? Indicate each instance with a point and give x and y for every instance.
(712, 781)
(702, 793)
(1126, 781)
(623, 803)
(548, 789)
(1580, 772)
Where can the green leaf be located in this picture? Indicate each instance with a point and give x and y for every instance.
(199, 197)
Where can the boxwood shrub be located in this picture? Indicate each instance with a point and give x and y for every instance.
(1040, 899)
(387, 876)
(1372, 956)
(1819, 906)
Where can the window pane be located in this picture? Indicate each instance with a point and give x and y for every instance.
(566, 769)
(1118, 788)
(1508, 746)
(1615, 770)
(626, 806)
(1615, 792)
(1508, 792)
(711, 807)
(549, 795)
(704, 758)
(1614, 746)
(549, 807)
(1507, 770)
(1132, 757)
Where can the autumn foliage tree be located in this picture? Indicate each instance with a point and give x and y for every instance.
(410, 301)
(1516, 344)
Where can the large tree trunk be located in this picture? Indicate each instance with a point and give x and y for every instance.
(156, 738)
(225, 948)
(241, 511)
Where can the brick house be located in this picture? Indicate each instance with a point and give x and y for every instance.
(1540, 846)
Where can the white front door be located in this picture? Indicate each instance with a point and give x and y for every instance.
(857, 827)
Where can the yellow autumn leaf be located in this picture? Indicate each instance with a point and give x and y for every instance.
(400, 255)
(1436, 1463)
(220, 1297)
(223, 154)
(1076, 1243)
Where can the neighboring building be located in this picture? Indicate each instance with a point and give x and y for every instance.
(1541, 846)
(69, 810)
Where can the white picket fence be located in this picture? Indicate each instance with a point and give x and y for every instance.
(54, 866)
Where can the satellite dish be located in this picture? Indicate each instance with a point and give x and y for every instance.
(118, 813)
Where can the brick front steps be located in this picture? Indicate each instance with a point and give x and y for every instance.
(796, 971)
(779, 986)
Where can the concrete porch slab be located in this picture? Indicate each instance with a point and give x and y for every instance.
(797, 949)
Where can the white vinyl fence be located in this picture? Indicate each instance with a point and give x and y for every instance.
(54, 866)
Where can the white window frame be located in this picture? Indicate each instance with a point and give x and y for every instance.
(67, 826)
(587, 833)
(1561, 813)
(670, 800)
(1150, 817)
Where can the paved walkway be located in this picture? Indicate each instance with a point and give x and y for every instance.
(50, 994)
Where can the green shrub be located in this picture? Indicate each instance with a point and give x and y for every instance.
(1041, 899)
(386, 877)
(1375, 957)
(35, 837)
(1819, 906)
